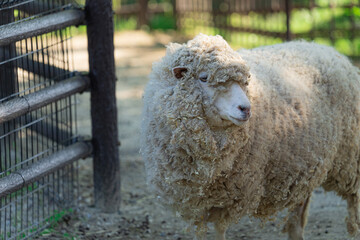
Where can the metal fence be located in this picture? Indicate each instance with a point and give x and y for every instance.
(39, 144)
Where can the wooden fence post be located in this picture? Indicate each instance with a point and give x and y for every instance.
(174, 9)
(288, 18)
(143, 14)
(100, 31)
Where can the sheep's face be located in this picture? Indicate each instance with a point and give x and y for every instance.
(231, 103)
(229, 96)
(209, 64)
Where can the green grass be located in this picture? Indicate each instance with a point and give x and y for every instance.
(53, 223)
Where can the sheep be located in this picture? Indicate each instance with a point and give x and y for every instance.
(227, 134)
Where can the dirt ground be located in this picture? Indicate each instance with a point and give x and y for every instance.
(141, 216)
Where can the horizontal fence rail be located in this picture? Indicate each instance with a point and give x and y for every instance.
(45, 24)
(22, 105)
(35, 171)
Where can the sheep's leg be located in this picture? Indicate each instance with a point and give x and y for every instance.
(200, 237)
(201, 227)
(220, 230)
(353, 220)
(297, 221)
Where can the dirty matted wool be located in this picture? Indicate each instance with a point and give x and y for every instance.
(303, 133)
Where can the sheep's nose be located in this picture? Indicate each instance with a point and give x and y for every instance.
(245, 110)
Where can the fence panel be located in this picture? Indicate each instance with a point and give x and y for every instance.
(38, 132)
(252, 23)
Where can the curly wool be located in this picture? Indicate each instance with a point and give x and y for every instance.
(303, 132)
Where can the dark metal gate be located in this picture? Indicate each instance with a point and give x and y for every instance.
(39, 143)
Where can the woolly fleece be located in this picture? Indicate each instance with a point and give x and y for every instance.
(303, 133)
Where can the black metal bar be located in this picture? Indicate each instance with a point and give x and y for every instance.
(21, 105)
(7, 51)
(35, 171)
(37, 7)
(48, 23)
(246, 9)
(103, 104)
(44, 128)
(281, 35)
(324, 33)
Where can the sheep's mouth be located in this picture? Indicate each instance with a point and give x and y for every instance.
(238, 121)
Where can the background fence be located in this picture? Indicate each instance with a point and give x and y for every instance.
(38, 134)
(252, 23)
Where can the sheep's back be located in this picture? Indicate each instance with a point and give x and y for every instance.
(305, 103)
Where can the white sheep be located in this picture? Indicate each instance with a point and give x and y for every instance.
(227, 134)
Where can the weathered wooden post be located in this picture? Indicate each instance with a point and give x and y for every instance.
(100, 31)
(177, 25)
(143, 13)
(288, 18)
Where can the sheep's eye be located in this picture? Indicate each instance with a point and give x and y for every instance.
(203, 76)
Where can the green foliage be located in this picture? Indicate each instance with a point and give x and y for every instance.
(125, 24)
(162, 22)
(301, 21)
(53, 220)
(78, 30)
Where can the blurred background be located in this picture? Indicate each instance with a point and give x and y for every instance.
(249, 23)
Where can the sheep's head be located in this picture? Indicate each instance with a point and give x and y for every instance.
(208, 63)
(198, 97)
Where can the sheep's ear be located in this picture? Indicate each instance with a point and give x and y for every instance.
(179, 72)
